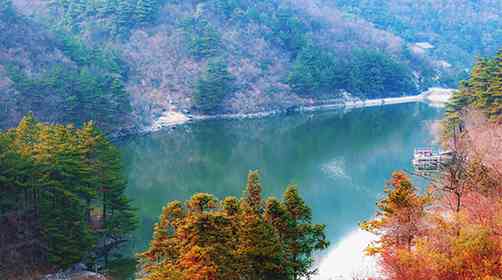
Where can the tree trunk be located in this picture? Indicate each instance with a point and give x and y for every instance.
(458, 195)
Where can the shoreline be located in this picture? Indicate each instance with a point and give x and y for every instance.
(434, 96)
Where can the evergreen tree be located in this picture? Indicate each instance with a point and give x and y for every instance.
(55, 172)
(495, 88)
(212, 87)
(108, 8)
(6, 9)
(164, 247)
(77, 9)
(480, 82)
(482, 91)
(398, 216)
(232, 239)
(314, 70)
(123, 17)
(259, 249)
(92, 91)
(253, 191)
(203, 39)
(373, 74)
(144, 11)
(290, 31)
(300, 236)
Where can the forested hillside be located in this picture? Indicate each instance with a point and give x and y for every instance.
(458, 31)
(452, 230)
(482, 91)
(125, 62)
(61, 198)
(55, 75)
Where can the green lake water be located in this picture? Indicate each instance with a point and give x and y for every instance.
(339, 160)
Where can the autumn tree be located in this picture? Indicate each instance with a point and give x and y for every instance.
(234, 239)
(445, 240)
(399, 215)
(259, 247)
(463, 245)
(253, 197)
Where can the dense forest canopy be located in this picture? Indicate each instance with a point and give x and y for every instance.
(122, 63)
(57, 76)
(61, 197)
(459, 29)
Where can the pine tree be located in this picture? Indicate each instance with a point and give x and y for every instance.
(108, 8)
(213, 86)
(123, 17)
(253, 191)
(6, 8)
(230, 206)
(495, 88)
(163, 246)
(259, 250)
(401, 209)
(204, 40)
(300, 236)
(314, 70)
(117, 214)
(144, 11)
(75, 13)
(26, 134)
(16, 173)
(482, 91)
(55, 171)
(232, 239)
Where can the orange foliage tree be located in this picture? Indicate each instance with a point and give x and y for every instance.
(398, 220)
(247, 238)
(424, 237)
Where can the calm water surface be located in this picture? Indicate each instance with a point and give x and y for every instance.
(339, 160)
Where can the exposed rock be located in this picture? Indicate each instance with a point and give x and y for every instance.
(76, 272)
(84, 275)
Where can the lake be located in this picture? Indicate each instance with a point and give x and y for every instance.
(339, 160)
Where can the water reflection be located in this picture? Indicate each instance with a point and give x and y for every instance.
(339, 160)
(346, 259)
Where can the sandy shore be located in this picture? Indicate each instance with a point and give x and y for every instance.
(435, 96)
(383, 101)
(438, 95)
(169, 118)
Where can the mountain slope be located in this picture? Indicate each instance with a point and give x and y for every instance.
(458, 31)
(234, 56)
(57, 77)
